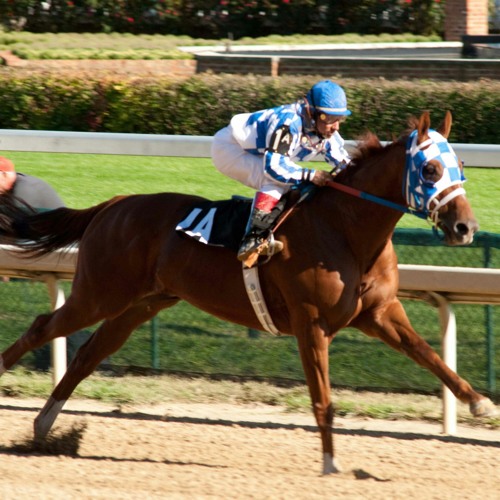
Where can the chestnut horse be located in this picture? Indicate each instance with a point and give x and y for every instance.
(337, 268)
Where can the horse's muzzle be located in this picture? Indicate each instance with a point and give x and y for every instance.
(461, 232)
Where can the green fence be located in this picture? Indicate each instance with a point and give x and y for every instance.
(185, 340)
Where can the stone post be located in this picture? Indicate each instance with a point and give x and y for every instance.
(465, 17)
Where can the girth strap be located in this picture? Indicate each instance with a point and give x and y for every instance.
(254, 291)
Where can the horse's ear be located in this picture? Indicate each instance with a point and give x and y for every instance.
(445, 127)
(424, 123)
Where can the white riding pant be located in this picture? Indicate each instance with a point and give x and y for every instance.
(232, 160)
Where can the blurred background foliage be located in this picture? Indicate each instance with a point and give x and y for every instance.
(216, 19)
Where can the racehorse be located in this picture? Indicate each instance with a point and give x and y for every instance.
(337, 268)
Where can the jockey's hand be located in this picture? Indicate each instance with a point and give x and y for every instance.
(321, 177)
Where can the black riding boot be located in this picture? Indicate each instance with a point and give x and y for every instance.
(255, 234)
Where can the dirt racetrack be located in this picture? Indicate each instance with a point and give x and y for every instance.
(215, 451)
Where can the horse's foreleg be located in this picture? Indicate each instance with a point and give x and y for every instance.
(393, 327)
(106, 340)
(314, 355)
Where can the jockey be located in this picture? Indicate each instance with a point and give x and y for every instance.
(261, 149)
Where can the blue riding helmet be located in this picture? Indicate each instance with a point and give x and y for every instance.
(329, 98)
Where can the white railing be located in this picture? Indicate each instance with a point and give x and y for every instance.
(440, 286)
(477, 155)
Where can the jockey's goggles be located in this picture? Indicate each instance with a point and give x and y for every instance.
(329, 119)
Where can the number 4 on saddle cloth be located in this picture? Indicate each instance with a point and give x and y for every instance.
(223, 223)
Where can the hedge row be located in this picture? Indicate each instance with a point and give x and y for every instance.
(203, 104)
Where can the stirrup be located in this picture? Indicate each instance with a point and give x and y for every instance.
(267, 248)
(250, 244)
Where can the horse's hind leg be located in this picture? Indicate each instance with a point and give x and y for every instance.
(106, 340)
(66, 320)
(393, 327)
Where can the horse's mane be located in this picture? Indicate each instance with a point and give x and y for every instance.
(367, 146)
(369, 149)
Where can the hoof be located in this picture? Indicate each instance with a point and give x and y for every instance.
(330, 465)
(45, 419)
(483, 408)
(41, 428)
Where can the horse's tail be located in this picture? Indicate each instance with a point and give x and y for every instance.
(37, 234)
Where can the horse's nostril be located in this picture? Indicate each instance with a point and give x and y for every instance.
(464, 228)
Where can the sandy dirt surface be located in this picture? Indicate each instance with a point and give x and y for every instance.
(215, 451)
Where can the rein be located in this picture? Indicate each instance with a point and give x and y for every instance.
(358, 194)
(370, 197)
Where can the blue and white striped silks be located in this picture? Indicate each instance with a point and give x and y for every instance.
(420, 193)
(254, 132)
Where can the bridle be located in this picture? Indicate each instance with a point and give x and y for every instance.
(422, 197)
(418, 192)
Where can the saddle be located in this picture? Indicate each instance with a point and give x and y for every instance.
(223, 223)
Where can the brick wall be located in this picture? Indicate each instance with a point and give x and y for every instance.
(238, 64)
(465, 17)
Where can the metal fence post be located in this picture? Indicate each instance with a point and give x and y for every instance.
(490, 335)
(253, 334)
(155, 358)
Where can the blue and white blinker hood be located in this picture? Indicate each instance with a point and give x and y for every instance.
(418, 192)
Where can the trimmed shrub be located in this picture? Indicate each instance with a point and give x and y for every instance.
(204, 103)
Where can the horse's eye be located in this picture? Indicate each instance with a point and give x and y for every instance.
(430, 173)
